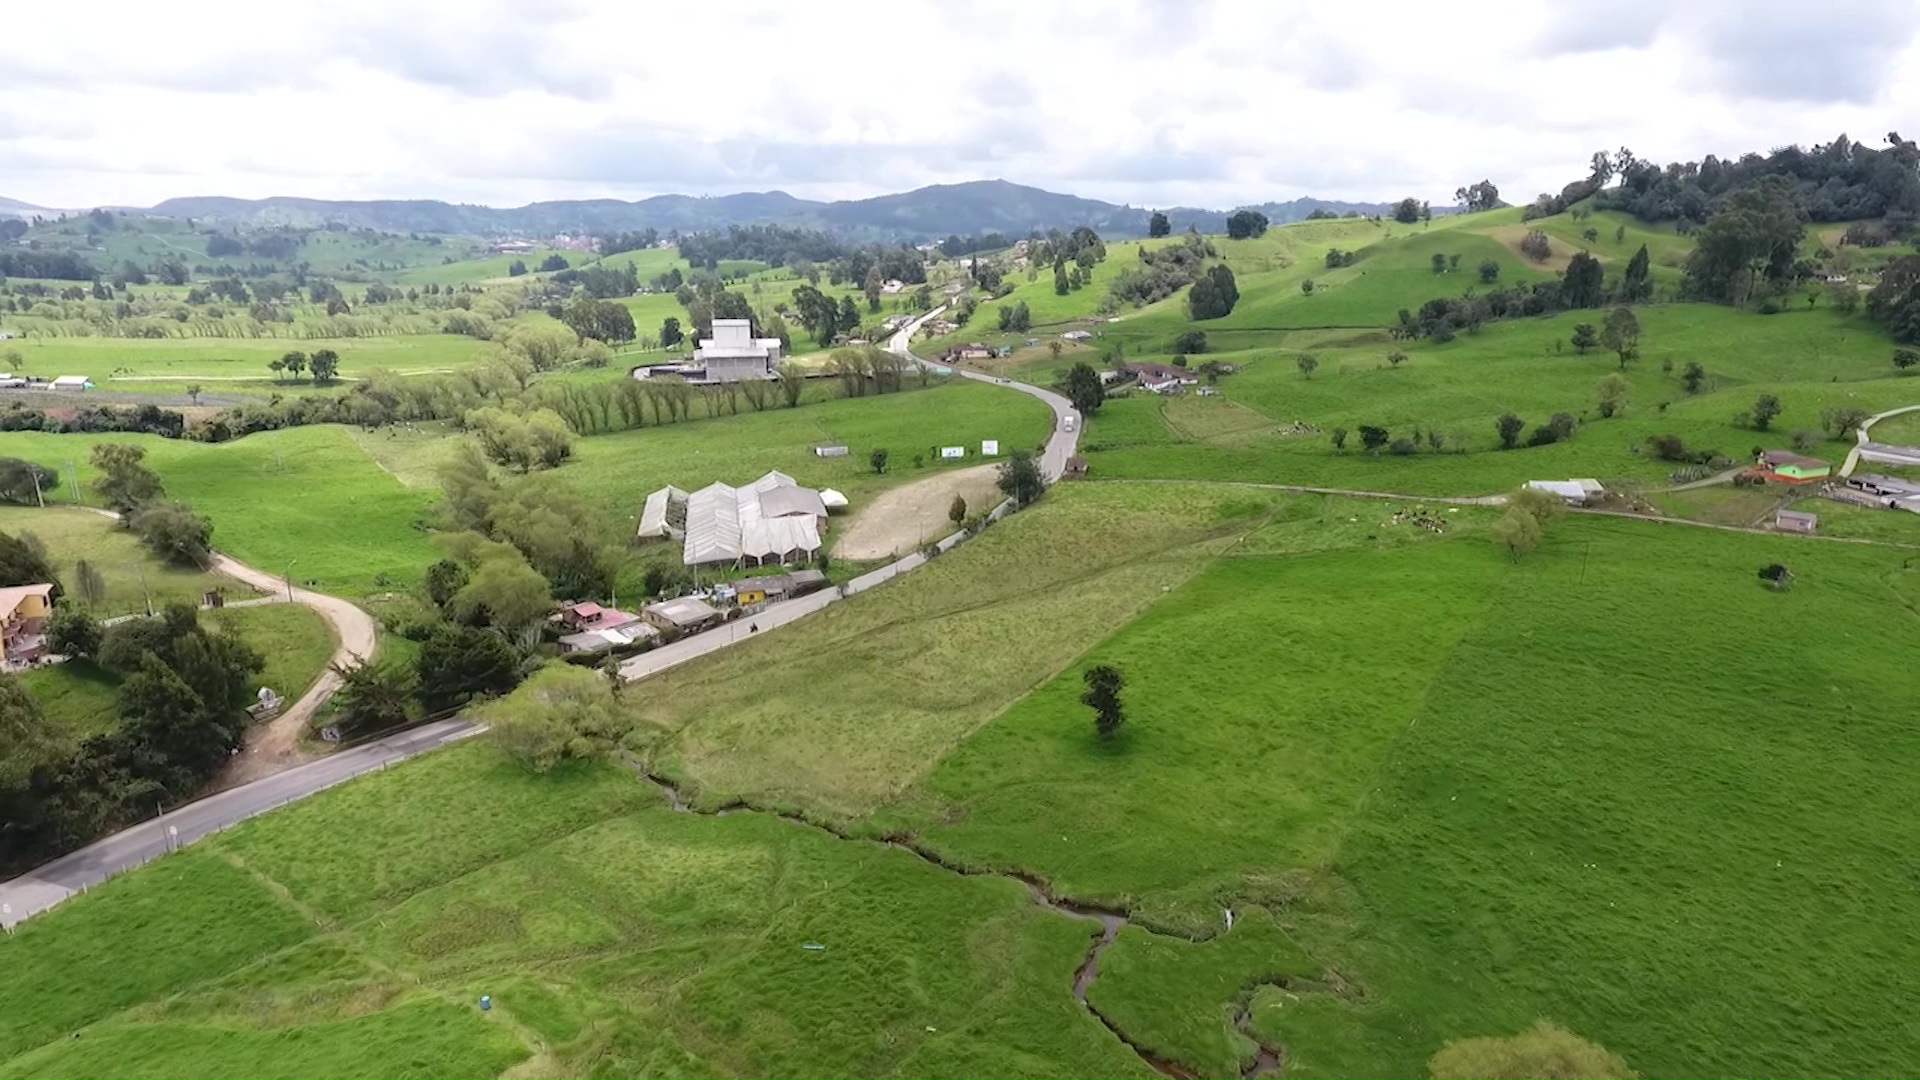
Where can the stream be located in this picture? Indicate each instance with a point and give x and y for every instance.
(1267, 1058)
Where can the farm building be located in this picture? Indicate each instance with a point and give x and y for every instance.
(665, 515)
(832, 500)
(1574, 492)
(686, 614)
(1153, 374)
(830, 450)
(1076, 466)
(71, 382)
(1794, 521)
(1794, 468)
(789, 585)
(1076, 335)
(771, 520)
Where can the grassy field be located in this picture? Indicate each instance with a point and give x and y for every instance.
(226, 364)
(616, 939)
(132, 576)
(1810, 360)
(306, 496)
(1444, 793)
(295, 641)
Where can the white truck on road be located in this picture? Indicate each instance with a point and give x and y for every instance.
(1070, 421)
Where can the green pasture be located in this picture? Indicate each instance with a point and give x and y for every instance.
(132, 576)
(223, 364)
(1810, 359)
(1443, 793)
(304, 497)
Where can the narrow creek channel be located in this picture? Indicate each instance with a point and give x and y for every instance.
(1266, 1060)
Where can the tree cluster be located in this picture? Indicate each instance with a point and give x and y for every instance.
(1246, 225)
(1213, 294)
(1840, 181)
(1480, 196)
(182, 698)
(1160, 272)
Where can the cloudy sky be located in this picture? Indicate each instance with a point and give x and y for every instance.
(1153, 102)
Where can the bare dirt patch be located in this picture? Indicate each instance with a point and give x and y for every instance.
(901, 520)
(1511, 235)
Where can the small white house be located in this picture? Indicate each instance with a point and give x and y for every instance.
(71, 382)
(1573, 492)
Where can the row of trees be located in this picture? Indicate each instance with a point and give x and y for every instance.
(1581, 285)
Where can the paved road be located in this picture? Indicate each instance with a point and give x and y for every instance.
(1060, 445)
(61, 878)
(1881, 452)
(57, 880)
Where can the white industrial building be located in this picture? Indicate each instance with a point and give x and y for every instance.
(732, 354)
(772, 520)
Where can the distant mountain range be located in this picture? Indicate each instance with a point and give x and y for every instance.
(929, 213)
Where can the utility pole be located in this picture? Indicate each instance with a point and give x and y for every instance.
(73, 481)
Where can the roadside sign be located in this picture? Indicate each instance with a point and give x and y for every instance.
(953, 451)
(989, 447)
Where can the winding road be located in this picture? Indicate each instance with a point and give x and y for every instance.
(269, 773)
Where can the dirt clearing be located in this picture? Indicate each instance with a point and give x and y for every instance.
(901, 520)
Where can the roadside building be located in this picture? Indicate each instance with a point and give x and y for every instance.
(1794, 521)
(1076, 466)
(71, 382)
(1573, 492)
(1789, 467)
(687, 614)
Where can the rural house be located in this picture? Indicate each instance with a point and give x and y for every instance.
(23, 620)
(1792, 468)
(1794, 521)
(686, 614)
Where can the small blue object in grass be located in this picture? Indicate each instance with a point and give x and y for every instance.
(486, 1002)
(814, 946)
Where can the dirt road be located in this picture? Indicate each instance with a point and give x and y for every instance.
(275, 745)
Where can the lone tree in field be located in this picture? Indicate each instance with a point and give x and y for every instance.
(1306, 362)
(1020, 478)
(326, 365)
(1517, 531)
(1489, 271)
(1765, 408)
(1612, 392)
(1508, 427)
(1158, 225)
(1776, 575)
(1905, 358)
(1584, 337)
(957, 509)
(1104, 683)
(193, 393)
(1692, 376)
(1622, 334)
(1373, 437)
(878, 460)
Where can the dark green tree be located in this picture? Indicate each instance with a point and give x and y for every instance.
(1508, 427)
(456, 663)
(372, 697)
(1104, 683)
(1085, 389)
(1582, 285)
(877, 460)
(1751, 240)
(1489, 271)
(1373, 437)
(1585, 337)
(1765, 408)
(325, 364)
(1020, 478)
(1636, 283)
(72, 632)
(670, 333)
(1158, 225)
(1406, 211)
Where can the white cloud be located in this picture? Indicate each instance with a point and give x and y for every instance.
(1153, 102)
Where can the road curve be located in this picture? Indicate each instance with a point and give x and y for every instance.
(43, 888)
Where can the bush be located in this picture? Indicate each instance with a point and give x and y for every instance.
(1544, 1050)
(72, 632)
(1668, 447)
(1190, 342)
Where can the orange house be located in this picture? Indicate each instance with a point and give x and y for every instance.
(23, 620)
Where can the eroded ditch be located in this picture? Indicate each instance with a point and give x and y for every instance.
(1267, 1058)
